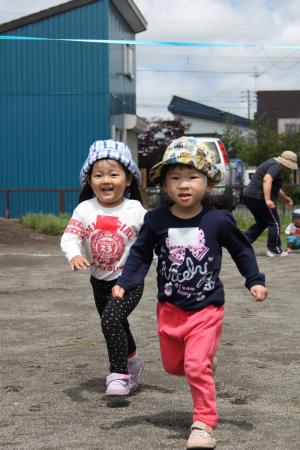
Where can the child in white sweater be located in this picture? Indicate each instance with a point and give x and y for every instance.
(106, 224)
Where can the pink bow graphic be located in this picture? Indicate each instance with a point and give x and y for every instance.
(178, 252)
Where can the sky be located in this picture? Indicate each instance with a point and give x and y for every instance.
(224, 78)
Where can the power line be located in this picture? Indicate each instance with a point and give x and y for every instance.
(227, 23)
(275, 64)
(194, 71)
(188, 56)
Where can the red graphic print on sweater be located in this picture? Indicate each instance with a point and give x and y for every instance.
(107, 246)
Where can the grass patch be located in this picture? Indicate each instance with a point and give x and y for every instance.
(244, 220)
(46, 223)
(55, 225)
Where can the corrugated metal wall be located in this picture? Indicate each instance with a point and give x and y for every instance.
(54, 102)
(122, 89)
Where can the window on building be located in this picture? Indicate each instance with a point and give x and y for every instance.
(129, 61)
(290, 128)
(288, 125)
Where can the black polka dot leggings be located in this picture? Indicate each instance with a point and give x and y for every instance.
(115, 326)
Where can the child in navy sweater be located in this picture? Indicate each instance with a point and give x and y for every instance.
(188, 239)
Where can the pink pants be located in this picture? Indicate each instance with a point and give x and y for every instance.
(188, 343)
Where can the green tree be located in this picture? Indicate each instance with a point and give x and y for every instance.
(154, 140)
(289, 141)
(264, 143)
(234, 140)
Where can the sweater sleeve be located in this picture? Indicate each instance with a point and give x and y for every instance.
(139, 259)
(241, 251)
(290, 229)
(72, 239)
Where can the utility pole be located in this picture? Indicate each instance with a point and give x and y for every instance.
(248, 102)
(246, 98)
(249, 97)
(255, 75)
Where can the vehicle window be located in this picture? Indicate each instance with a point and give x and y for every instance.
(212, 146)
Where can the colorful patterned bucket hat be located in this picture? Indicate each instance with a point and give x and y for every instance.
(110, 149)
(190, 151)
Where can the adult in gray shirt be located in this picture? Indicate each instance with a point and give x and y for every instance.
(260, 197)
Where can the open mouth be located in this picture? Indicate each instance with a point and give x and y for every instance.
(184, 195)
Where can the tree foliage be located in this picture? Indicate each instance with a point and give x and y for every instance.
(260, 144)
(156, 137)
(234, 140)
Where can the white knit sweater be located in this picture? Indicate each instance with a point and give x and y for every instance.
(103, 235)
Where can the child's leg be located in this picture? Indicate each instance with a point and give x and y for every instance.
(171, 342)
(188, 343)
(297, 243)
(115, 327)
(203, 334)
(102, 293)
(293, 242)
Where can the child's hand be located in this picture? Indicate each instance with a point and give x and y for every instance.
(260, 293)
(79, 262)
(118, 292)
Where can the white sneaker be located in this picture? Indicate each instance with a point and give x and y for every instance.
(272, 254)
(201, 437)
(118, 384)
(135, 369)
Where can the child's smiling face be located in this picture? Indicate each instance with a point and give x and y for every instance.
(109, 181)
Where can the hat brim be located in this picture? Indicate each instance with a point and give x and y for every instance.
(108, 153)
(287, 163)
(214, 175)
(155, 171)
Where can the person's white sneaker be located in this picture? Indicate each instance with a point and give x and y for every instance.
(135, 369)
(118, 384)
(272, 254)
(201, 437)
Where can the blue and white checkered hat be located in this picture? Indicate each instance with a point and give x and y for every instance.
(110, 149)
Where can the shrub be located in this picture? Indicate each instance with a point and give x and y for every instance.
(46, 223)
(294, 192)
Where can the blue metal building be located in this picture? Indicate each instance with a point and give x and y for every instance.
(57, 97)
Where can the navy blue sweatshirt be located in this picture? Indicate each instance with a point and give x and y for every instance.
(189, 257)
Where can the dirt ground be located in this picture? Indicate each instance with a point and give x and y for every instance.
(54, 363)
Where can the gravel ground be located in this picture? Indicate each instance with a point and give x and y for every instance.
(54, 363)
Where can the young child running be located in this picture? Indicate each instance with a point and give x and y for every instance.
(107, 223)
(188, 239)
